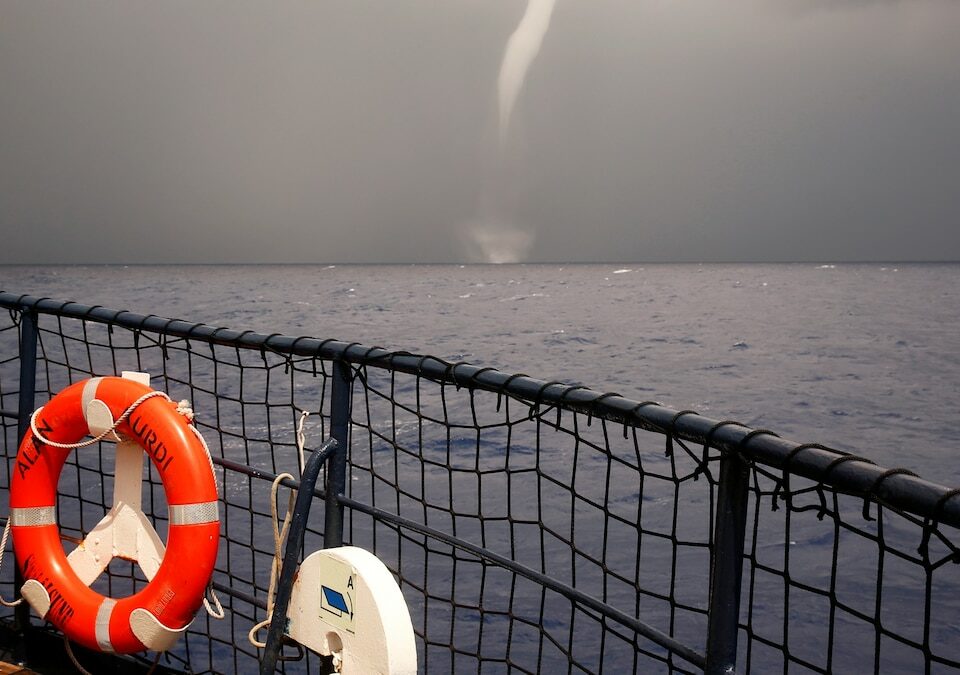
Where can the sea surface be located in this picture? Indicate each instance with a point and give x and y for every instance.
(861, 357)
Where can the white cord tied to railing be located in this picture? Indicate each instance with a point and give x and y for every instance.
(279, 534)
(3, 548)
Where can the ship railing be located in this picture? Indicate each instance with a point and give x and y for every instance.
(531, 524)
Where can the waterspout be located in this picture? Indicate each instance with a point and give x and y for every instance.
(522, 48)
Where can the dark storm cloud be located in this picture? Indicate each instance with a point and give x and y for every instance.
(343, 131)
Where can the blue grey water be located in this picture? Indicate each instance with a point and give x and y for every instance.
(862, 357)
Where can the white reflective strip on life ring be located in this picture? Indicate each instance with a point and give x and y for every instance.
(33, 516)
(102, 626)
(153, 634)
(89, 394)
(194, 514)
(37, 596)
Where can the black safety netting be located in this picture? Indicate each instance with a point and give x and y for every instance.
(521, 529)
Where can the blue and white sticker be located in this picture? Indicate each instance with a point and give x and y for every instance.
(338, 594)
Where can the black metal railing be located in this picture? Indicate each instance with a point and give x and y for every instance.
(531, 525)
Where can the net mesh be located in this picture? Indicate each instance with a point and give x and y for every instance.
(609, 510)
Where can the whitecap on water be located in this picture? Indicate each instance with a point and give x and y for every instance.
(515, 298)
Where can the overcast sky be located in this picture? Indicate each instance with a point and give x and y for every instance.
(367, 130)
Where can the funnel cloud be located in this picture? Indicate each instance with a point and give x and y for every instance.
(522, 48)
(496, 236)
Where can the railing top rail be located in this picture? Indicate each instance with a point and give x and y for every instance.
(897, 487)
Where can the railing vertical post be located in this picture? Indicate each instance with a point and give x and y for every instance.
(726, 565)
(340, 406)
(25, 405)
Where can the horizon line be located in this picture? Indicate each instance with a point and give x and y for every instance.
(823, 261)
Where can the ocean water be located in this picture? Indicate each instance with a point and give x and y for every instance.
(862, 357)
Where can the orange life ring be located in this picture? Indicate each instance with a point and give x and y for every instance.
(176, 591)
